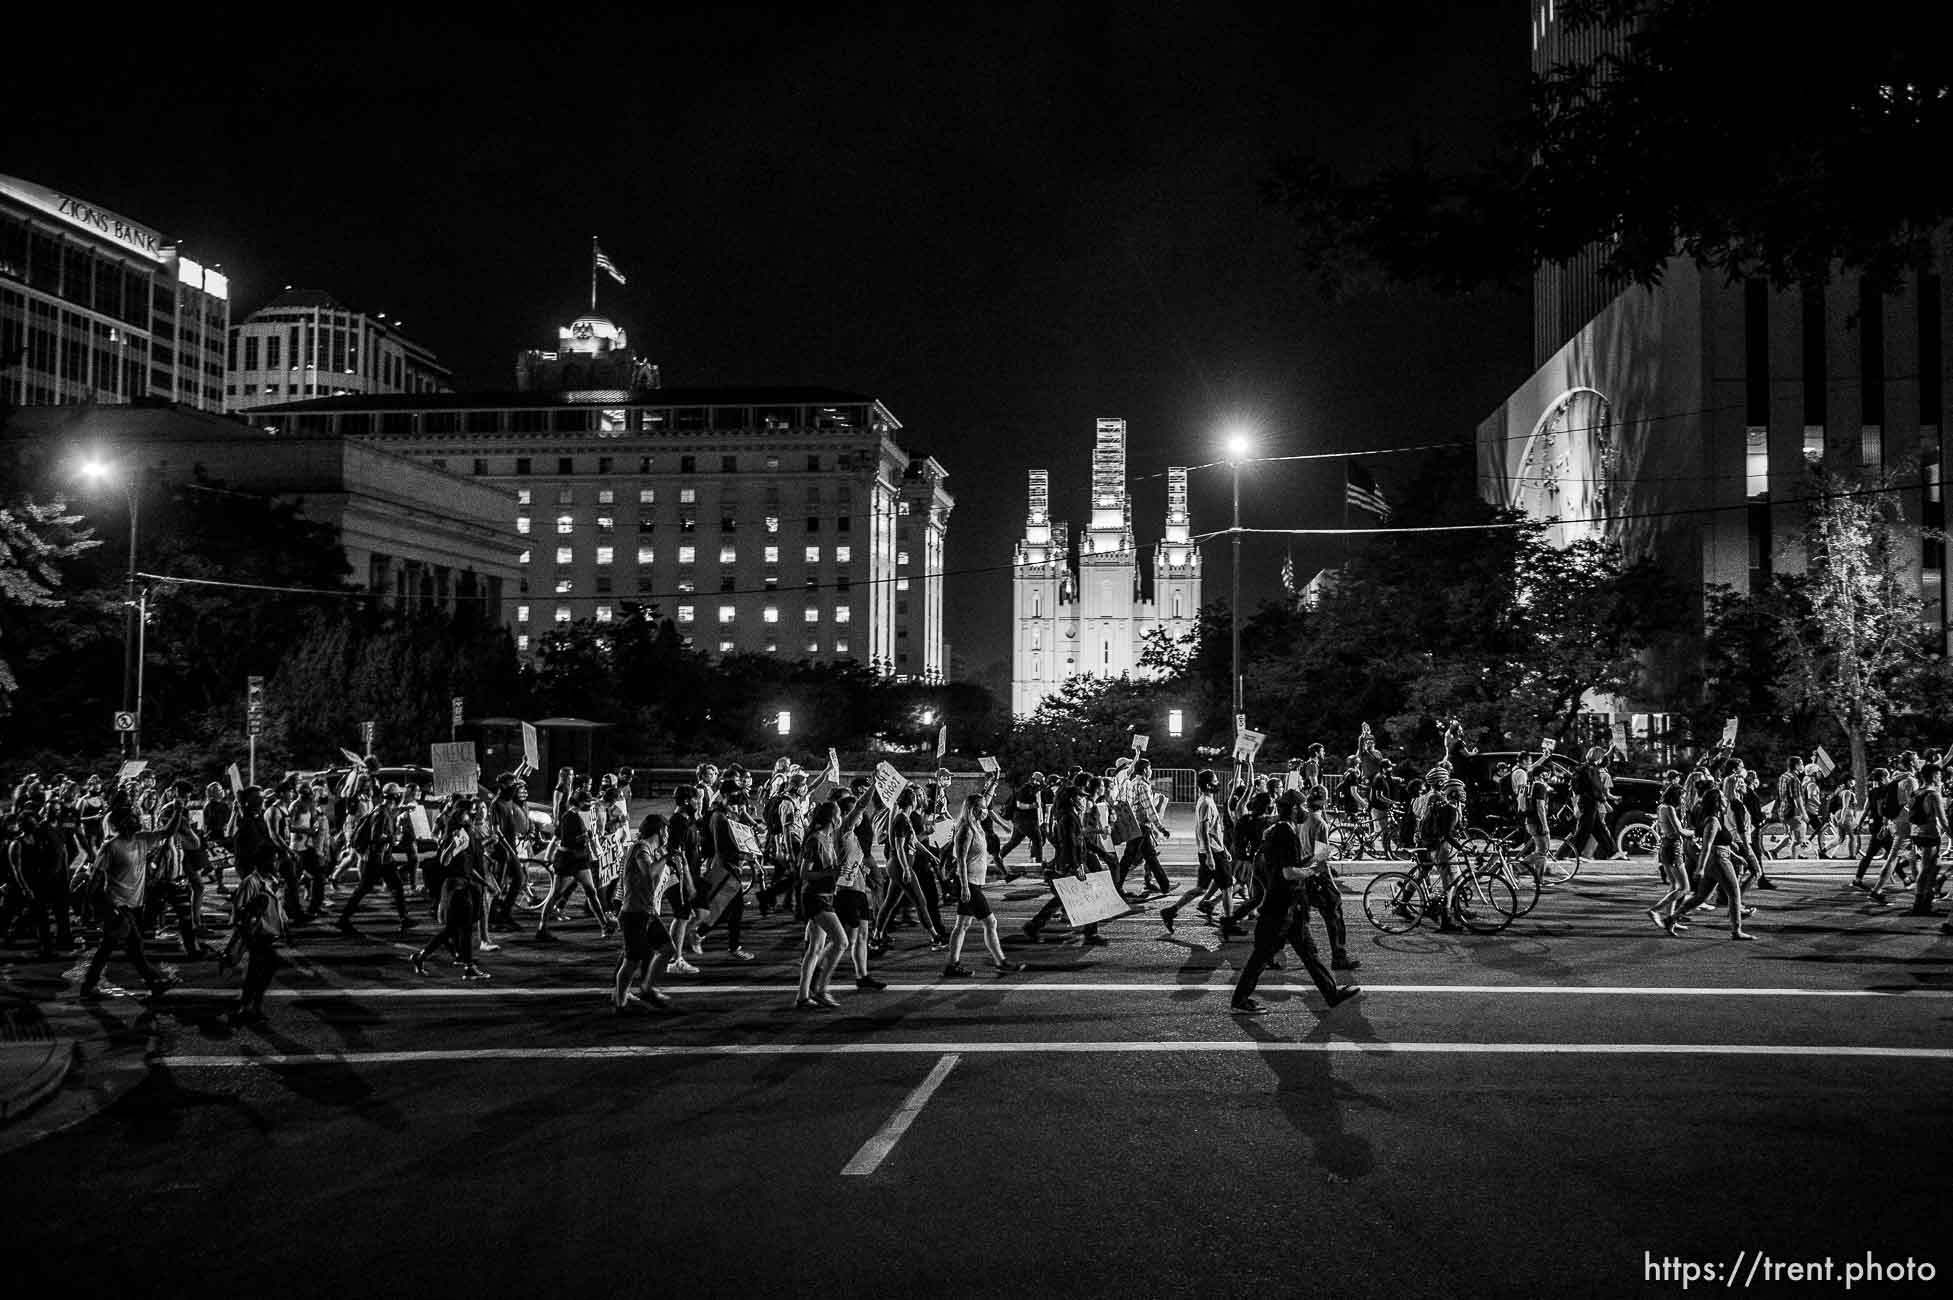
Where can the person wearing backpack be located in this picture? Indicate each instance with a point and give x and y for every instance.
(1906, 785)
(1291, 849)
(375, 840)
(1927, 818)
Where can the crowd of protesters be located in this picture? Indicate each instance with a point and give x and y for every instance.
(852, 863)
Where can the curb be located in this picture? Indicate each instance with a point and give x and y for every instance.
(32, 1072)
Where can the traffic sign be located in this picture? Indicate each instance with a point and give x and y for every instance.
(125, 721)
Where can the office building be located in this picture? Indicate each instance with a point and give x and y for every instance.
(304, 343)
(1084, 613)
(96, 307)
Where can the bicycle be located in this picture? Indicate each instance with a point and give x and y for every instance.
(1353, 838)
(1480, 900)
(1514, 842)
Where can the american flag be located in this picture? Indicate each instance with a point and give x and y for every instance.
(605, 264)
(1288, 574)
(1361, 491)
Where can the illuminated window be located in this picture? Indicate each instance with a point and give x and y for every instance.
(644, 555)
(843, 554)
(606, 497)
(562, 613)
(728, 555)
(812, 616)
(647, 496)
(565, 523)
(771, 614)
(813, 555)
(687, 496)
(562, 586)
(687, 554)
(564, 496)
(813, 647)
(773, 647)
(522, 643)
(605, 554)
(522, 613)
(901, 557)
(772, 462)
(841, 646)
(686, 587)
(771, 555)
(841, 613)
(725, 647)
(901, 584)
(522, 524)
(603, 613)
(687, 613)
(726, 613)
(606, 523)
(565, 555)
(773, 523)
(523, 558)
(901, 507)
(522, 496)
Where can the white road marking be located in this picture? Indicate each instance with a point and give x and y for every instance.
(1333, 1047)
(335, 993)
(876, 1149)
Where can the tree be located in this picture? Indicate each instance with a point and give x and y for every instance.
(1681, 142)
(35, 539)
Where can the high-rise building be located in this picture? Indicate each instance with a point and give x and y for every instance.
(1084, 613)
(593, 362)
(1680, 421)
(303, 344)
(95, 307)
(781, 521)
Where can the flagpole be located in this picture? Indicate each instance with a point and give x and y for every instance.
(593, 275)
(1345, 512)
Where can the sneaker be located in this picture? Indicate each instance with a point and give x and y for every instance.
(1166, 918)
(682, 967)
(656, 999)
(826, 999)
(1766, 884)
(1344, 992)
(1344, 962)
(1010, 968)
(490, 946)
(1032, 934)
(740, 954)
(544, 936)
(94, 993)
(1096, 941)
(958, 971)
(419, 962)
(474, 973)
(871, 983)
(1246, 1007)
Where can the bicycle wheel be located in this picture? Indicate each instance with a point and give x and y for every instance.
(1479, 841)
(1560, 870)
(1525, 885)
(1347, 841)
(1394, 902)
(1482, 902)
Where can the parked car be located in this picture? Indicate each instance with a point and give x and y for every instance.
(1489, 803)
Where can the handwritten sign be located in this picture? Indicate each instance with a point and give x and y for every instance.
(1094, 898)
(1247, 744)
(987, 764)
(1729, 732)
(1825, 764)
(1139, 743)
(236, 779)
(832, 772)
(455, 768)
(530, 758)
(888, 783)
(744, 839)
(417, 818)
(131, 769)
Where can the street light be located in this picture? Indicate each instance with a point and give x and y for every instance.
(98, 471)
(1238, 448)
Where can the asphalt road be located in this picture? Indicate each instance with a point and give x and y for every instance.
(1554, 1110)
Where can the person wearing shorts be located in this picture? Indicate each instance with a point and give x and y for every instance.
(1216, 879)
(970, 863)
(686, 849)
(648, 948)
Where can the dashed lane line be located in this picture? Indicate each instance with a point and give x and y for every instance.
(876, 1149)
(1331, 1047)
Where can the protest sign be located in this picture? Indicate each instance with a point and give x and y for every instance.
(1140, 742)
(942, 741)
(1247, 744)
(1094, 898)
(131, 769)
(417, 818)
(744, 839)
(455, 768)
(987, 764)
(721, 887)
(366, 731)
(1729, 732)
(454, 715)
(888, 783)
(353, 758)
(1825, 765)
(236, 779)
(832, 772)
(530, 758)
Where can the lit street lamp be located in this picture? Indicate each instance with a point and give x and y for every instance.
(1238, 448)
(101, 472)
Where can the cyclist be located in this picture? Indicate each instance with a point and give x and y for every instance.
(1440, 834)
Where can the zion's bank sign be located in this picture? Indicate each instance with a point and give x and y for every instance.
(85, 215)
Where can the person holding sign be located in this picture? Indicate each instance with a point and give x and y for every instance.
(907, 879)
(1068, 857)
(969, 860)
(730, 835)
(1291, 850)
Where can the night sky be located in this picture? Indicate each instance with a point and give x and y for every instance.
(1004, 224)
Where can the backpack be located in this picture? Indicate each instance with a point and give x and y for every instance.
(776, 823)
(1586, 781)
(1887, 800)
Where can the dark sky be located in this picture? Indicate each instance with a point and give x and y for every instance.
(1003, 223)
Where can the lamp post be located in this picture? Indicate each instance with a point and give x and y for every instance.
(98, 471)
(1237, 450)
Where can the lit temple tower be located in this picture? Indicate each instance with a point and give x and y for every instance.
(1094, 621)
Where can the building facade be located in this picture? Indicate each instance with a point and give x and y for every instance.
(421, 538)
(593, 362)
(303, 343)
(1083, 612)
(97, 308)
(758, 520)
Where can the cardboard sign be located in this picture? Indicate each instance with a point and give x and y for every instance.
(744, 838)
(530, 758)
(417, 818)
(1247, 744)
(1094, 898)
(1729, 732)
(832, 772)
(1824, 763)
(987, 764)
(236, 779)
(455, 768)
(888, 783)
(721, 887)
(353, 758)
(131, 769)
(942, 741)
(1140, 742)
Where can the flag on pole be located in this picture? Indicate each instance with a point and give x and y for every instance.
(605, 264)
(1288, 574)
(1361, 491)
